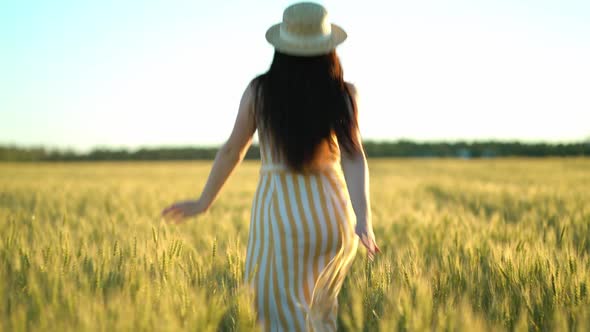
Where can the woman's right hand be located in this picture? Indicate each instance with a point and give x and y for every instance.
(367, 237)
(179, 211)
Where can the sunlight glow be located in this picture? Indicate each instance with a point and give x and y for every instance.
(148, 74)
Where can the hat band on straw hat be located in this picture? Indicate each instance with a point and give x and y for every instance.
(310, 36)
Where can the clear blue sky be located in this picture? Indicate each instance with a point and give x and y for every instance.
(82, 74)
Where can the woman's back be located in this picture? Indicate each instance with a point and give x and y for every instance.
(304, 111)
(327, 153)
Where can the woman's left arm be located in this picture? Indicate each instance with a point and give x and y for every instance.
(226, 160)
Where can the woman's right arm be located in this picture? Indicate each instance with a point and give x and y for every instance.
(226, 160)
(356, 174)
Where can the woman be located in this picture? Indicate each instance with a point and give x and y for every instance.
(302, 234)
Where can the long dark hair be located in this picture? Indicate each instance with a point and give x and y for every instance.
(301, 101)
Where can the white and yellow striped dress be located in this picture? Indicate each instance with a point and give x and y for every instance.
(301, 245)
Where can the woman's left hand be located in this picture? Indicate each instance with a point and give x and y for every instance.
(179, 211)
(367, 237)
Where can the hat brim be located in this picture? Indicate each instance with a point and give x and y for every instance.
(305, 48)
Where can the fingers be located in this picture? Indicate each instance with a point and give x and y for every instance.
(169, 209)
(370, 245)
(370, 250)
(176, 215)
(173, 214)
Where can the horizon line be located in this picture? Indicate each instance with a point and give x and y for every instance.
(49, 147)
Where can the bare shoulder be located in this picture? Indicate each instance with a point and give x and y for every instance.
(248, 96)
(352, 88)
(250, 90)
(354, 98)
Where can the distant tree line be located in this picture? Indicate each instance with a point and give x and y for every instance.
(401, 148)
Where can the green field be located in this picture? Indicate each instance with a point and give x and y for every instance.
(468, 245)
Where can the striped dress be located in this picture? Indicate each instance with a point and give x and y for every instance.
(301, 245)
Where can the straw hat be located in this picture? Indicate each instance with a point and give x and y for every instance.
(305, 31)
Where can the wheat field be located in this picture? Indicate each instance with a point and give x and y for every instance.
(468, 245)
